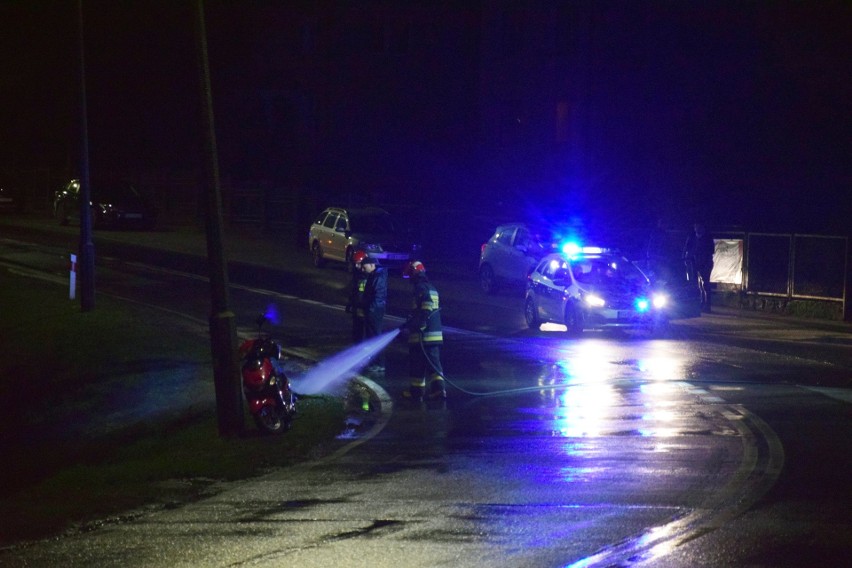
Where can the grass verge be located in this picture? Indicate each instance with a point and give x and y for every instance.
(78, 445)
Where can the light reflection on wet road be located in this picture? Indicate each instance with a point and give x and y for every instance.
(610, 422)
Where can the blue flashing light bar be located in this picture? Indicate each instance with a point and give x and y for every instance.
(572, 249)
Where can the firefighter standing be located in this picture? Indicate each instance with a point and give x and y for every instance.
(374, 300)
(425, 337)
(355, 304)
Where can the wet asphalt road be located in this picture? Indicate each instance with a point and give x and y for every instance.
(719, 445)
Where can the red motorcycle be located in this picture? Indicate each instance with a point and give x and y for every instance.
(266, 387)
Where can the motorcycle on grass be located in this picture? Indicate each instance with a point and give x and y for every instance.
(266, 387)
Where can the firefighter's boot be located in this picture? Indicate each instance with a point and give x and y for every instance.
(437, 390)
(414, 392)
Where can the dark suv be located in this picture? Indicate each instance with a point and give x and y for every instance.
(338, 232)
(115, 204)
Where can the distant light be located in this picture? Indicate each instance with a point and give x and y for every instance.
(595, 301)
(642, 304)
(272, 314)
(660, 300)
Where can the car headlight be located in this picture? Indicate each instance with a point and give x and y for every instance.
(642, 304)
(594, 301)
(659, 301)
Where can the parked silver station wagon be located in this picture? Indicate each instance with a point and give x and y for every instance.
(337, 233)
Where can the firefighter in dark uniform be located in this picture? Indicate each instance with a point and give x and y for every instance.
(425, 337)
(375, 299)
(355, 303)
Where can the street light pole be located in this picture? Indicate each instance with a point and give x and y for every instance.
(87, 247)
(223, 336)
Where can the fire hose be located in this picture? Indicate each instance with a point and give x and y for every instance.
(440, 373)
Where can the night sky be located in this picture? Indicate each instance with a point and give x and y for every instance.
(737, 109)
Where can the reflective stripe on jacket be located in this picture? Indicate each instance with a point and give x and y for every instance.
(357, 288)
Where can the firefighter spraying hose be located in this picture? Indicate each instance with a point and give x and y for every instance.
(329, 373)
(439, 371)
(425, 339)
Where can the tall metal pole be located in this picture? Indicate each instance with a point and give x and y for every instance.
(87, 247)
(223, 335)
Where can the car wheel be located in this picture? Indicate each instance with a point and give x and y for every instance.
(487, 281)
(316, 253)
(531, 314)
(574, 318)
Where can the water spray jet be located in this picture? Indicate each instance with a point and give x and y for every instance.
(329, 374)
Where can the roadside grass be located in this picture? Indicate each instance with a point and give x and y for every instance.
(60, 366)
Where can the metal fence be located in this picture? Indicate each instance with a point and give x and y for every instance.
(797, 266)
(785, 266)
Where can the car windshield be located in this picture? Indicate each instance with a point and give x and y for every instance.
(605, 271)
(371, 223)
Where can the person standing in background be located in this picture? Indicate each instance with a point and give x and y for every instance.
(698, 251)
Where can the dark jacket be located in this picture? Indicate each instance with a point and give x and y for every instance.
(699, 250)
(375, 298)
(425, 319)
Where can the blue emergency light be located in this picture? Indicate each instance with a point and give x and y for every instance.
(571, 249)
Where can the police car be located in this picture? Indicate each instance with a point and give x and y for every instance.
(591, 288)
